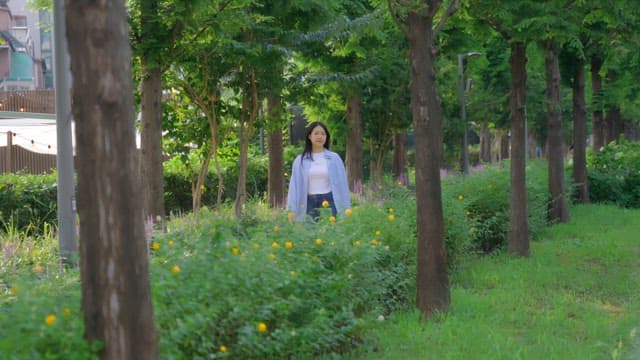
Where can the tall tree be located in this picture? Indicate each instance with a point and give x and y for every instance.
(417, 23)
(116, 295)
(559, 206)
(510, 25)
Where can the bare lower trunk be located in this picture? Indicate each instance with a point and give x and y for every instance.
(400, 161)
(354, 159)
(198, 187)
(559, 207)
(596, 89)
(116, 294)
(247, 118)
(580, 180)
(518, 243)
(485, 144)
(433, 293)
(275, 191)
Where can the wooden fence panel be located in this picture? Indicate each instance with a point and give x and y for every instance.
(19, 159)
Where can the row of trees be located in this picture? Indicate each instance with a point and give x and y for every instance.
(208, 69)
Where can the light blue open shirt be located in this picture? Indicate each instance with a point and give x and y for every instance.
(299, 184)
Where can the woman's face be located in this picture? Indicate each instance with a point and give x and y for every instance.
(318, 137)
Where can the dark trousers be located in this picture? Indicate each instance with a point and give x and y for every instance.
(314, 204)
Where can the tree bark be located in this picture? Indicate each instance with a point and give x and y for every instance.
(433, 292)
(485, 144)
(116, 294)
(558, 208)
(580, 138)
(248, 115)
(275, 144)
(151, 171)
(400, 163)
(354, 157)
(518, 243)
(596, 89)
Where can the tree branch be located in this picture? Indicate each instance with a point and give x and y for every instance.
(453, 7)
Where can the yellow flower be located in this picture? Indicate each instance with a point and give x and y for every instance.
(14, 289)
(272, 256)
(288, 245)
(348, 212)
(235, 251)
(292, 273)
(50, 320)
(318, 241)
(37, 269)
(357, 243)
(276, 228)
(223, 348)
(332, 219)
(274, 245)
(460, 197)
(291, 215)
(374, 242)
(171, 243)
(262, 327)
(175, 269)
(155, 246)
(66, 312)
(378, 233)
(391, 217)
(325, 204)
(391, 210)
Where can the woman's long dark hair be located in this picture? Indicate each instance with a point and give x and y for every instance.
(306, 153)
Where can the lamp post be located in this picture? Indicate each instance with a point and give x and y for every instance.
(463, 112)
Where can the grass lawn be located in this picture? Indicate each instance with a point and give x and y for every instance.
(576, 297)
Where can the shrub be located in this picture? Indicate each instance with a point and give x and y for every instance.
(614, 174)
(315, 287)
(484, 195)
(27, 202)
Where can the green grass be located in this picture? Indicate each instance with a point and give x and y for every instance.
(576, 297)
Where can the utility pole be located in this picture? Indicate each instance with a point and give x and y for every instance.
(463, 112)
(66, 187)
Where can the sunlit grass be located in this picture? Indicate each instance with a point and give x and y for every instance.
(577, 297)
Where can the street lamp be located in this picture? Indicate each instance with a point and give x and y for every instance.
(463, 113)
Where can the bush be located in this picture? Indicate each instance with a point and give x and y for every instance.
(484, 196)
(314, 287)
(614, 174)
(28, 203)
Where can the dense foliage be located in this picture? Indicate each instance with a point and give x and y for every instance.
(614, 174)
(27, 202)
(261, 287)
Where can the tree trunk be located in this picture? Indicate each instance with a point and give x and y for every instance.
(400, 162)
(116, 294)
(433, 292)
(354, 158)
(248, 115)
(518, 243)
(580, 138)
(558, 208)
(504, 147)
(196, 191)
(275, 144)
(596, 86)
(613, 124)
(151, 171)
(485, 144)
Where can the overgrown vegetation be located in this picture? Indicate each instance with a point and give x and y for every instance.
(614, 174)
(261, 287)
(27, 202)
